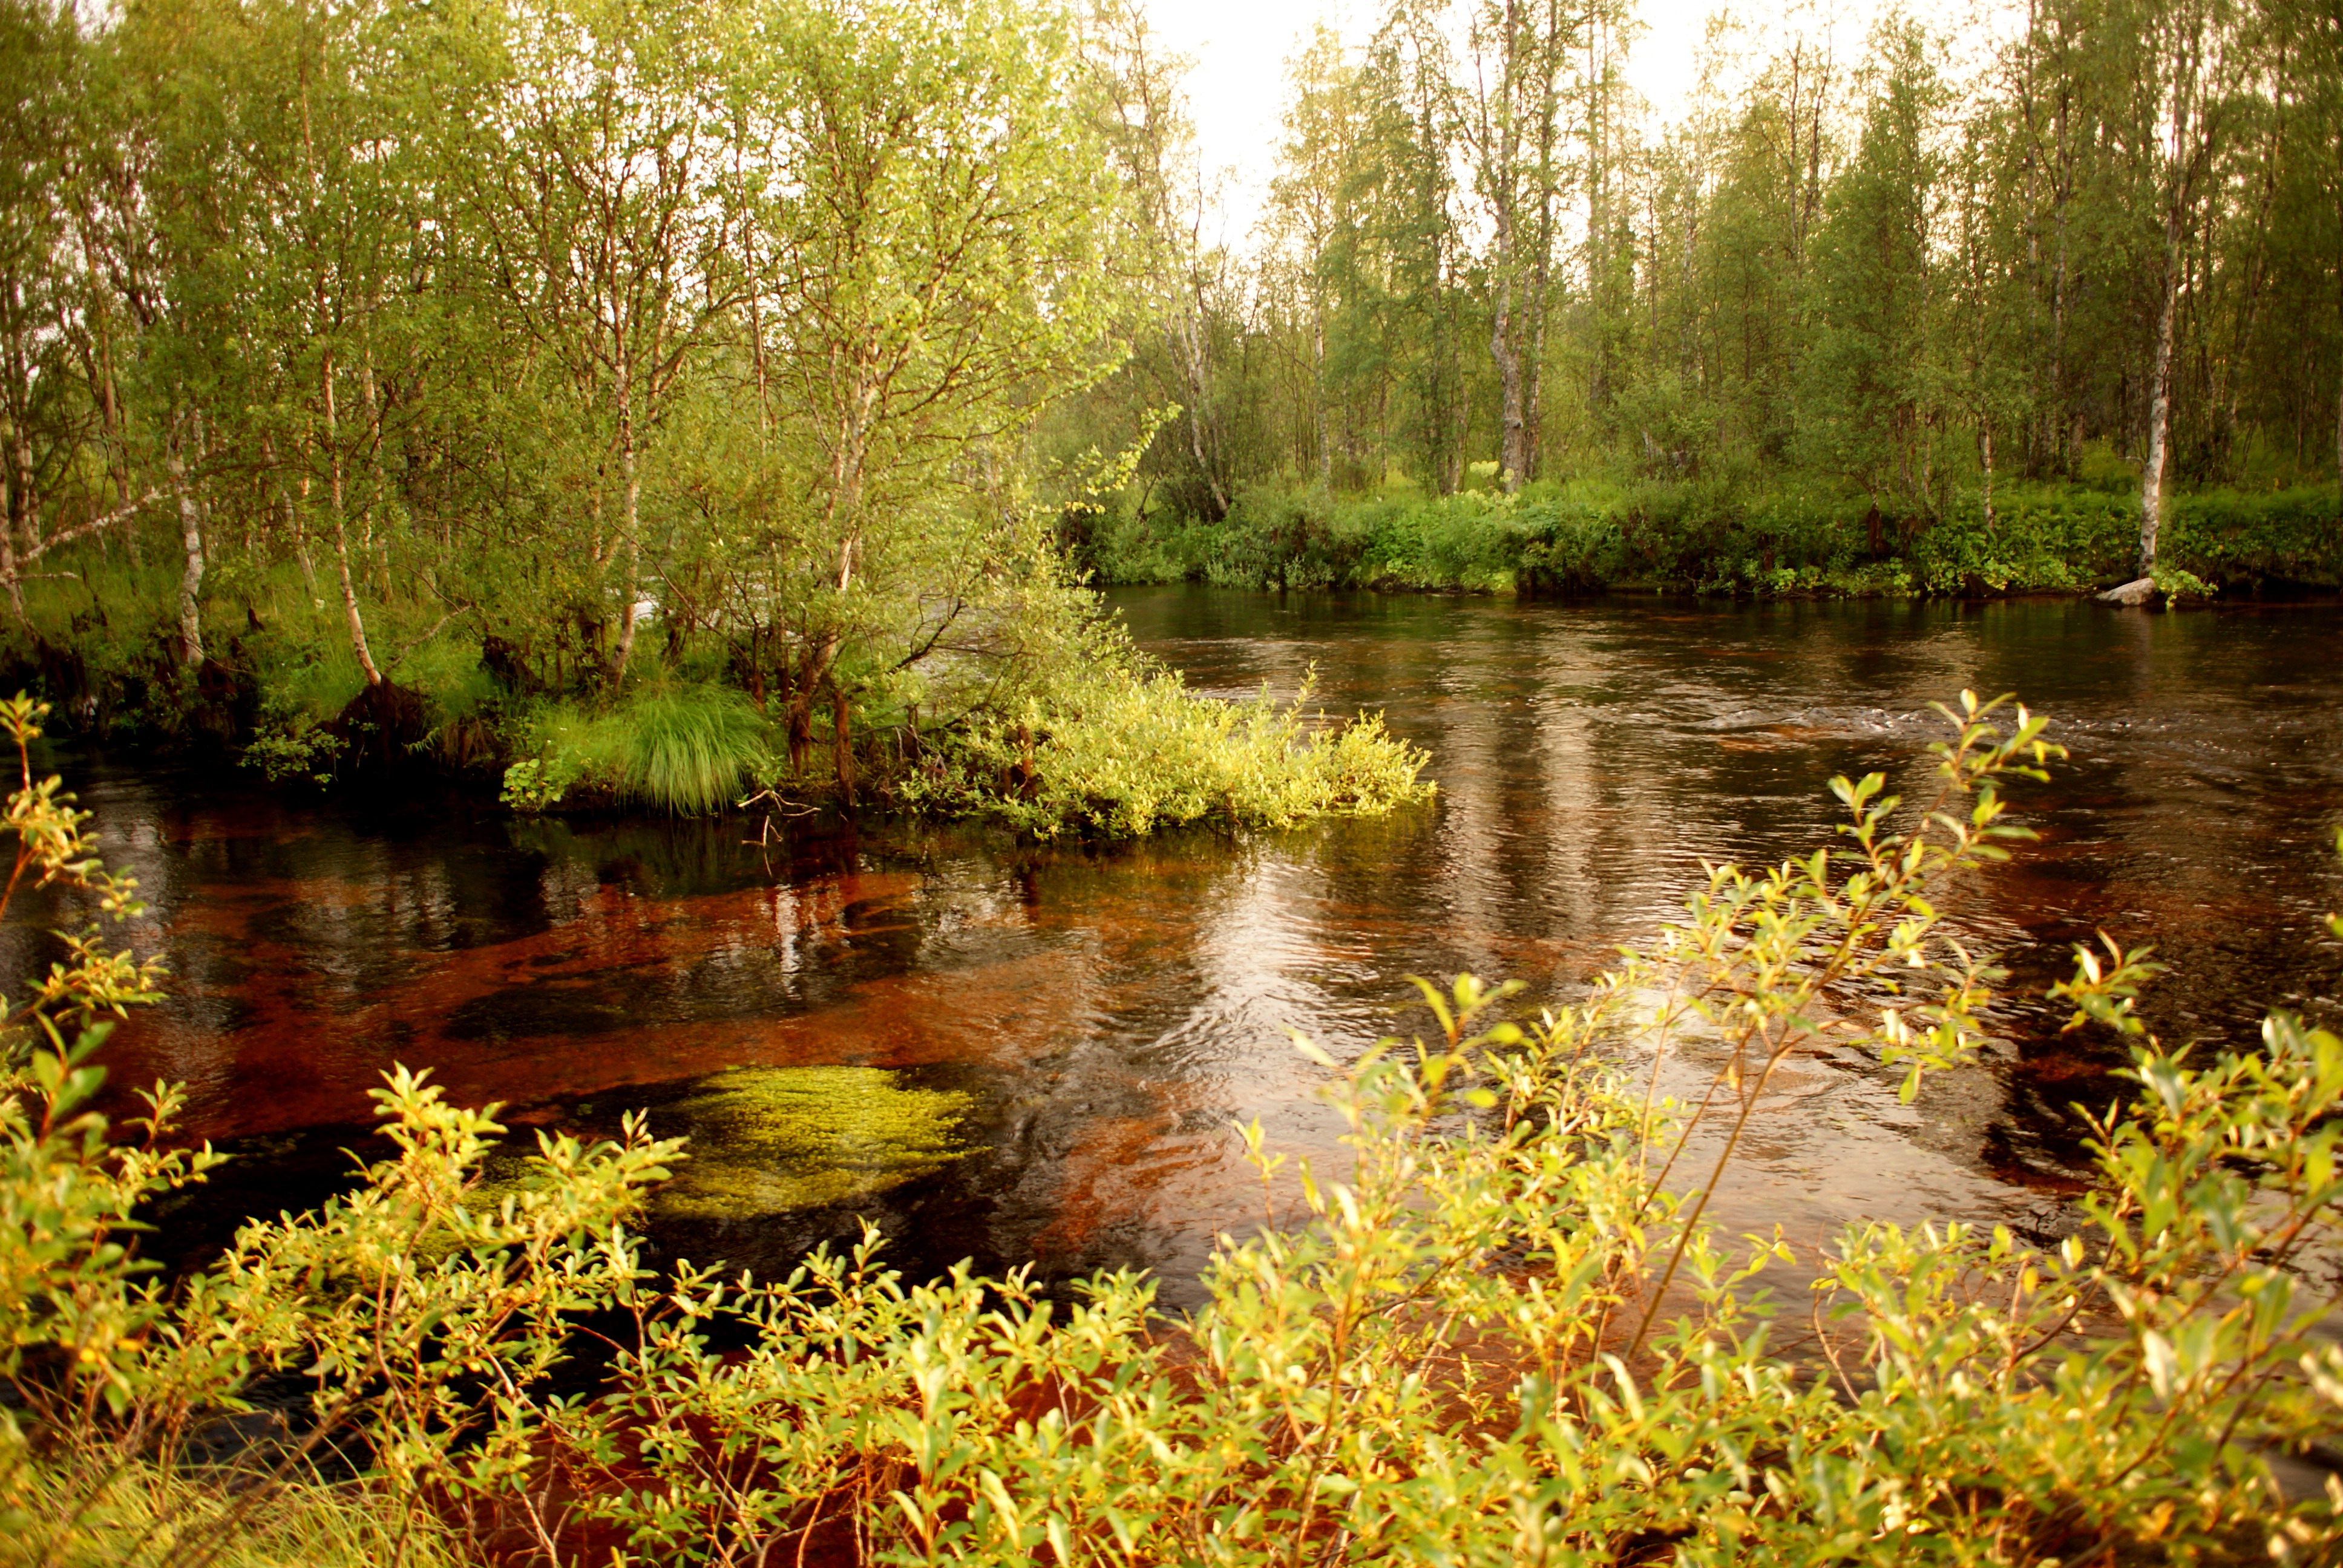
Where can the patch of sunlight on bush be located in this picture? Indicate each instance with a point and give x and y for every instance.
(1120, 754)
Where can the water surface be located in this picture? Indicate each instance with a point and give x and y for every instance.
(1085, 1025)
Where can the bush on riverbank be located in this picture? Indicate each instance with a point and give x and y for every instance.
(1499, 1337)
(1716, 537)
(1117, 755)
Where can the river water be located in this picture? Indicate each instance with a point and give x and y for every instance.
(1036, 1055)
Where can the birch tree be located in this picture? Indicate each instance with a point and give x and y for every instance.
(2192, 59)
(591, 157)
(934, 219)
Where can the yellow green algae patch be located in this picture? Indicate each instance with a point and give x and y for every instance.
(765, 1140)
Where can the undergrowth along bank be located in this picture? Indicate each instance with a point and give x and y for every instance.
(1095, 740)
(1764, 539)
(1504, 1334)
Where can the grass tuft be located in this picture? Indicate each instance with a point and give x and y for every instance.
(686, 749)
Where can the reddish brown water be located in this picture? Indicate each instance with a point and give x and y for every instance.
(1106, 1015)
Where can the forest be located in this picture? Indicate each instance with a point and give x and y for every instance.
(378, 375)
(654, 396)
(2028, 306)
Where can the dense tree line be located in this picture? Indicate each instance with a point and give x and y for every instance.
(549, 321)
(2114, 238)
(783, 330)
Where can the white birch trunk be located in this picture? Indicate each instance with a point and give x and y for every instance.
(2159, 403)
(341, 530)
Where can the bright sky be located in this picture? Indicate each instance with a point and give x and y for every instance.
(1239, 47)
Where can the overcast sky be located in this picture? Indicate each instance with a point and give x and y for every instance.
(1240, 48)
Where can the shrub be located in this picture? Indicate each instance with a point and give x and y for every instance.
(1501, 1336)
(1471, 1352)
(2233, 536)
(1769, 537)
(1118, 754)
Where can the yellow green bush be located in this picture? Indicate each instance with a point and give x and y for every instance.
(1505, 1333)
(1118, 754)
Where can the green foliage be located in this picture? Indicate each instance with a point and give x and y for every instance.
(1717, 536)
(417, 1321)
(1894, 270)
(682, 748)
(2179, 586)
(536, 784)
(293, 742)
(1118, 755)
(523, 352)
(2238, 536)
(1469, 1352)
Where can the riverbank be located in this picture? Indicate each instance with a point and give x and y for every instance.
(1784, 541)
(1088, 739)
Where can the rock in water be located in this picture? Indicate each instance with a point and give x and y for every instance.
(2135, 592)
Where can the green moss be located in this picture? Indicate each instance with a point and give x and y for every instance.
(769, 1139)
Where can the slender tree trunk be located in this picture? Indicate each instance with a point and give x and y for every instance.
(11, 573)
(756, 293)
(631, 478)
(1318, 397)
(1506, 354)
(797, 695)
(341, 530)
(1500, 151)
(1985, 445)
(1188, 347)
(2067, 453)
(842, 740)
(1504, 347)
(1512, 441)
(2160, 400)
(191, 578)
(27, 489)
(844, 514)
(10, 500)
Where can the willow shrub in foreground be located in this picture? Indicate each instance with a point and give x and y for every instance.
(1505, 1335)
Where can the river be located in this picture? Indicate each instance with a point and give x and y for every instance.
(1035, 1055)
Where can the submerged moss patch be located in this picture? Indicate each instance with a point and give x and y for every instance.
(769, 1139)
